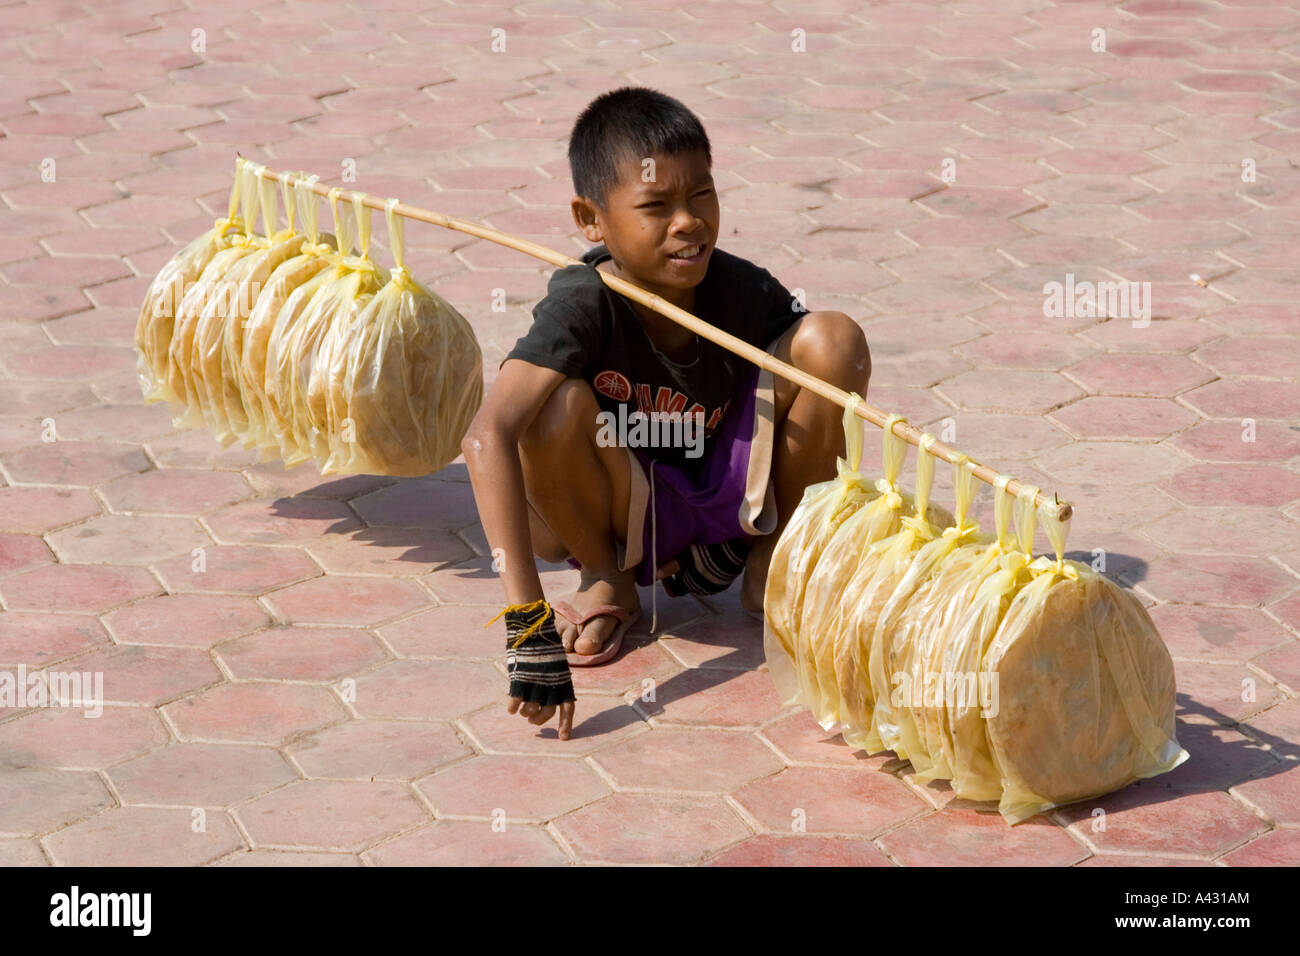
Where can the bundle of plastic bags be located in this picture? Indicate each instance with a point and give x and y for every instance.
(289, 342)
(1033, 682)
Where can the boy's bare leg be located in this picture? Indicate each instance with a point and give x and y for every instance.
(578, 499)
(809, 429)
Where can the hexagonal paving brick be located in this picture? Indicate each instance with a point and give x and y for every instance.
(1277, 848)
(271, 479)
(1217, 633)
(641, 664)
(1026, 350)
(1215, 530)
(76, 587)
(253, 713)
(330, 814)
(731, 640)
(1196, 824)
(651, 828)
(1216, 579)
(396, 749)
(36, 801)
(528, 789)
(1258, 356)
(36, 638)
(826, 800)
(1157, 376)
(184, 491)
(801, 850)
(457, 631)
(1108, 417)
(714, 761)
(129, 423)
(428, 690)
(599, 720)
(74, 738)
(977, 839)
(389, 551)
(282, 521)
(1223, 693)
(186, 620)
(250, 569)
(416, 503)
(462, 843)
(21, 552)
(474, 582)
(800, 740)
(1236, 485)
(200, 775)
(123, 539)
(144, 836)
(149, 675)
(714, 698)
(301, 653)
(1276, 793)
(1118, 463)
(1221, 757)
(1232, 398)
(1240, 441)
(37, 510)
(339, 599)
(20, 852)
(1010, 390)
(74, 462)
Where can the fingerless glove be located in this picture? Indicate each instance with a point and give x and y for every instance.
(539, 671)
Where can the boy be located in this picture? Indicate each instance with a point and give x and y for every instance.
(546, 477)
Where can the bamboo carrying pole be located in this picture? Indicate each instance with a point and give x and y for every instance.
(908, 432)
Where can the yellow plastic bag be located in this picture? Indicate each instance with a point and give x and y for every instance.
(329, 297)
(1085, 701)
(820, 617)
(888, 661)
(405, 380)
(342, 322)
(821, 510)
(210, 288)
(154, 329)
(219, 335)
(283, 282)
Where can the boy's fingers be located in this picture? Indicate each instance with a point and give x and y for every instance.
(512, 705)
(541, 716)
(566, 720)
(529, 709)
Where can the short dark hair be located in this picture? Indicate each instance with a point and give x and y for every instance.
(632, 121)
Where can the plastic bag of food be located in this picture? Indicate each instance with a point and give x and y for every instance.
(1085, 701)
(820, 619)
(936, 615)
(183, 375)
(821, 510)
(405, 380)
(219, 335)
(310, 261)
(301, 327)
(153, 331)
(335, 337)
(911, 575)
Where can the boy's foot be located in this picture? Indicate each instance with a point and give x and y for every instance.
(754, 583)
(593, 591)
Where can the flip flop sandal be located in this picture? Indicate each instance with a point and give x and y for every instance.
(613, 645)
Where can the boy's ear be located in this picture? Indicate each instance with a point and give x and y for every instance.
(587, 218)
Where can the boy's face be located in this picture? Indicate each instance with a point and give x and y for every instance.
(656, 212)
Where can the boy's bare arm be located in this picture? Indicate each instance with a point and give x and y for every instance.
(491, 447)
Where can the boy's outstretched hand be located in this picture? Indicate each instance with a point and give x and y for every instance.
(540, 681)
(537, 714)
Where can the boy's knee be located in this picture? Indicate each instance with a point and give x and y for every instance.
(831, 345)
(567, 415)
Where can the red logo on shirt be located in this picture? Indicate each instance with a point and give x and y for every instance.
(615, 385)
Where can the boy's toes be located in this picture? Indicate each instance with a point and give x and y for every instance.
(595, 634)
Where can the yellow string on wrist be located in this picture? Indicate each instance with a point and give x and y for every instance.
(533, 626)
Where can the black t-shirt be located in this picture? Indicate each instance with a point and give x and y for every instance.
(584, 329)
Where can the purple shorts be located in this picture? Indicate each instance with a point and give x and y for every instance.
(728, 497)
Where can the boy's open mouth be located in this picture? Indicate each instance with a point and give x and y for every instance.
(690, 254)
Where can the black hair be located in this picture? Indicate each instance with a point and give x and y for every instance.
(632, 121)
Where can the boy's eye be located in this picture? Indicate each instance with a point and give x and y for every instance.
(648, 205)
